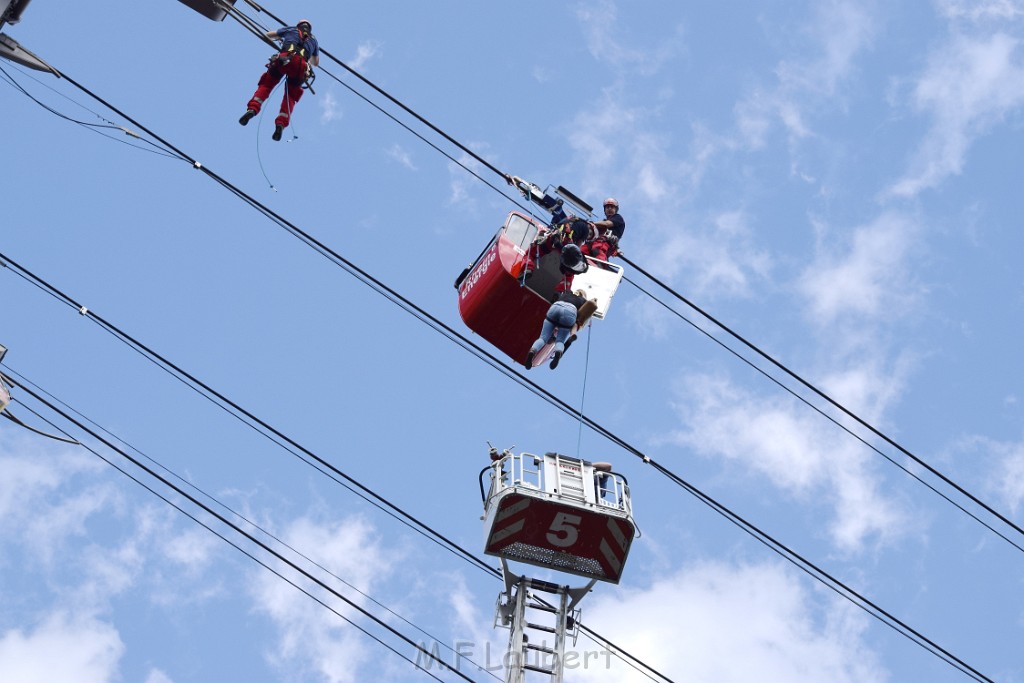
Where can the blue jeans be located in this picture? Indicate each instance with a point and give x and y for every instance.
(558, 323)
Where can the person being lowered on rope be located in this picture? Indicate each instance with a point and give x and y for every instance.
(558, 323)
(604, 241)
(299, 53)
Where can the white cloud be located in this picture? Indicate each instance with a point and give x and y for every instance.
(981, 10)
(691, 625)
(37, 506)
(483, 647)
(157, 676)
(796, 450)
(839, 31)
(867, 280)
(330, 109)
(599, 20)
(1003, 463)
(1009, 478)
(542, 74)
(968, 87)
(402, 156)
(463, 184)
(728, 260)
(192, 549)
(313, 639)
(62, 648)
(364, 53)
(720, 255)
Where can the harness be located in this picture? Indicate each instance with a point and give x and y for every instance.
(296, 49)
(285, 55)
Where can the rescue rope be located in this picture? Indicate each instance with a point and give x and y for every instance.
(586, 371)
(291, 107)
(259, 155)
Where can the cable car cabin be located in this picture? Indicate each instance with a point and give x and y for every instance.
(498, 301)
(558, 512)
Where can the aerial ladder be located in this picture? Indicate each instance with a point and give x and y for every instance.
(560, 513)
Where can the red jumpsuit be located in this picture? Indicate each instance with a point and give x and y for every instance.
(599, 248)
(287, 64)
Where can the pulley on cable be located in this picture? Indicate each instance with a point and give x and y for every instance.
(211, 9)
(10, 13)
(505, 294)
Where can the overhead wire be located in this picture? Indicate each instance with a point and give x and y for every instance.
(235, 410)
(256, 29)
(845, 411)
(333, 255)
(290, 445)
(946, 479)
(828, 417)
(265, 547)
(224, 506)
(784, 551)
(392, 295)
(94, 127)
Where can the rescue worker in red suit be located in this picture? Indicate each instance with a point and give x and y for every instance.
(299, 53)
(607, 233)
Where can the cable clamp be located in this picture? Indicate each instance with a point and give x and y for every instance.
(647, 460)
(83, 310)
(196, 164)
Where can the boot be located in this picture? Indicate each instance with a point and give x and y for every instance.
(529, 360)
(277, 132)
(554, 360)
(247, 116)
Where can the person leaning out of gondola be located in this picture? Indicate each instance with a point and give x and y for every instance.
(557, 327)
(605, 234)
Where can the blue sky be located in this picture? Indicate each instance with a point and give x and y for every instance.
(836, 181)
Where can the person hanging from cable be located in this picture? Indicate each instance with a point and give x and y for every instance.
(558, 323)
(605, 235)
(299, 53)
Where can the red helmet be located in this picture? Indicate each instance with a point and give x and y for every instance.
(611, 200)
(309, 26)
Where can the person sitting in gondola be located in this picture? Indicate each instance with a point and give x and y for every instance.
(604, 241)
(558, 322)
(571, 262)
(571, 231)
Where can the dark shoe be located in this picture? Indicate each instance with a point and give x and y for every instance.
(247, 116)
(554, 360)
(529, 360)
(569, 341)
(277, 132)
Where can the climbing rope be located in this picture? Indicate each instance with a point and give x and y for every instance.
(583, 396)
(259, 127)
